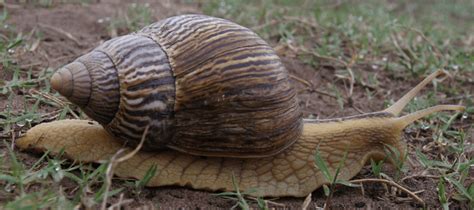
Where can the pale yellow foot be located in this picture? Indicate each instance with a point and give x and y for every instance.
(291, 173)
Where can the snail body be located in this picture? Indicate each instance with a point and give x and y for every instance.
(212, 88)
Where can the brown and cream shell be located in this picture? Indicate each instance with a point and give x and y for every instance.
(204, 85)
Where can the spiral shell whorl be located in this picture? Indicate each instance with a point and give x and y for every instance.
(73, 81)
(206, 86)
(125, 84)
(233, 96)
(147, 90)
(89, 82)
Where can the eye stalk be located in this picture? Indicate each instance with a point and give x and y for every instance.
(369, 133)
(398, 106)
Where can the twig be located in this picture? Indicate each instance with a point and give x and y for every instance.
(420, 175)
(50, 116)
(116, 159)
(371, 87)
(348, 66)
(304, 22)
(258, 27)
(357, 108)
(131, 154)
(121, 202)
(109, 174)
(54, 99)
(267, 201)
(70, 56)
(317, 55)
(362, 190)
(287, 19)
(333, 5)
(395, 43)
(457, 98)
(306, 202)
(301, 80)
(28, 65)
(413, 195)
(351, 81)
(351, 74)
(13, 139)
(310, 86)
(60, 31)
(3, 37)
(438, 52)
(48, 96)
(419, 191)
(323, 93)
(11, 6)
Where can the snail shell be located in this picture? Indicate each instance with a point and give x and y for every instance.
(204, 85)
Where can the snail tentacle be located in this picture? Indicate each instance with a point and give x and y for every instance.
(398, 106)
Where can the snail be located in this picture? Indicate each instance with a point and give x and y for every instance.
(209, 102)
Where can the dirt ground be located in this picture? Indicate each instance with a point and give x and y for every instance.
(69, 30)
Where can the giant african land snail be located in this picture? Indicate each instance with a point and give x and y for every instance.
(209, 87)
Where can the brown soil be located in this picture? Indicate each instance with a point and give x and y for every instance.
(82, 23)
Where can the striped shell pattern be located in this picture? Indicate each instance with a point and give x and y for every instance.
(204, 85)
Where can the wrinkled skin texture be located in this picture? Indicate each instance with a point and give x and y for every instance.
(290, 173)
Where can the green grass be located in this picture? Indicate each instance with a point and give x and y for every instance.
(53, 3)
(372, 29)
(134, 18)
(331, 177)
(402, 39)
(374, 33)
(40, 186)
